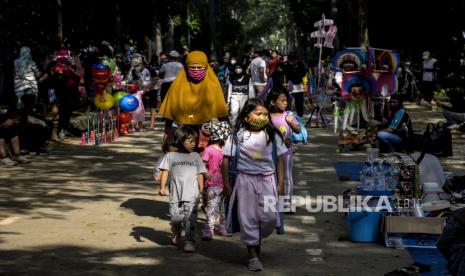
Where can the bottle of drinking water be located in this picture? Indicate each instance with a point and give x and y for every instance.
(62, 135)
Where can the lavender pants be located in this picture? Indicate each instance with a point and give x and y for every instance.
(250, 191)
(288, 179)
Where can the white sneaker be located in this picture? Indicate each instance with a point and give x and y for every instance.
(6, 161)
(426, 104)
(463, 135)
(21, 159)
(454, 126)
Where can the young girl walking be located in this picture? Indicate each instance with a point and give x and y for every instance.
(184, 169)
(286, 123)
(213, 156)
(254, 145)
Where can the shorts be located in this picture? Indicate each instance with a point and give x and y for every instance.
(8, 133)
(150, 99)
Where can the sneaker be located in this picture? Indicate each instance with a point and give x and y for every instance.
(189, 247)
(207, 234)
(454, 126)
(255, 265)
(426, 104)
(6, 161)
(21, 159)
(463, 135)
(223, 232)
(176, 239)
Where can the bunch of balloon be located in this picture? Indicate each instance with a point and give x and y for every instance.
(127, 104)
(117, 98)
(116, 76)
(101, 75)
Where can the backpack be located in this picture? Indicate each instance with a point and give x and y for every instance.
(301, 137)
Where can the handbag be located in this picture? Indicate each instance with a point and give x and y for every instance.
(301, 137)
(437, 140)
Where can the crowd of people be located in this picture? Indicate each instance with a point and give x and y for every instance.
(228, 127)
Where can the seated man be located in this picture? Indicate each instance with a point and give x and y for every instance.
(399, 126)
(429, 166)
(455, 114)
(8, 132)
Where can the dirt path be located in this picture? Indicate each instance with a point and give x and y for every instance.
(87, 210)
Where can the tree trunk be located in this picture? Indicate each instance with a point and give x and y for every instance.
(169, 42)
(119, 28)
(363, 23)
(59, 33)
(212, 24)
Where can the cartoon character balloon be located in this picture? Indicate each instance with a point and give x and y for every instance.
(128, 103)
(104, 101)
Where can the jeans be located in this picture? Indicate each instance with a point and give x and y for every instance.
(299, 99)
(388, 141)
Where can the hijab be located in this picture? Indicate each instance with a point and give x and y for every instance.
(194, 103)
(24, 60)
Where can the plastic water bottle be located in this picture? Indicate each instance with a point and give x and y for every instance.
(62, 135)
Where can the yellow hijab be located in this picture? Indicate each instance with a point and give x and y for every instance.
(194, 103)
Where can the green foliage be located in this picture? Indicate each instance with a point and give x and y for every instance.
(266, 22)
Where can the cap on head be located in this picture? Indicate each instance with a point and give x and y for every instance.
(174, 54)
(426, 54)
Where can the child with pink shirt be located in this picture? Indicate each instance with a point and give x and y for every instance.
(213, 157)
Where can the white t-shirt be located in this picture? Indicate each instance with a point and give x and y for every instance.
(256, 155)
(183, 171)
(428, 64)
(170, 70)
(430, 169)
(255, 66)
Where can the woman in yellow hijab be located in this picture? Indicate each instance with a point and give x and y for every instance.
(195, 97)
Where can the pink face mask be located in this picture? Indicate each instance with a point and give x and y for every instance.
(197, 75)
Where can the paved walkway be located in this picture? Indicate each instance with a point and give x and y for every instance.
(86, 210)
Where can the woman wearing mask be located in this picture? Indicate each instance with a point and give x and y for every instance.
(240, 89)
(195, 97)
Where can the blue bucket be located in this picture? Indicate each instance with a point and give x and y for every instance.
(364, 226)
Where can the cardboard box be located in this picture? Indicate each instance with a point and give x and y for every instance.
(403, 224)
(401, 231)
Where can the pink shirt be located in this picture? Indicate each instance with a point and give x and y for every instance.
(280, 123)
(213, 157)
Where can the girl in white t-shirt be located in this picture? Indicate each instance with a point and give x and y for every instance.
(257, 149)
(184, 171)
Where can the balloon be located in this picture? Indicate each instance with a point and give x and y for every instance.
(132, 87)
(104, 101)
(117, 97)
(125, 117)
(111, 64)
(101, 73)
(128, 103)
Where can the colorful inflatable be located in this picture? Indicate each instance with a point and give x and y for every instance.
(104, 101)
(118, 96)
(128, 103)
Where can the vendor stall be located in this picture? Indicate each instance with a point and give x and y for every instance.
(368, 80)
